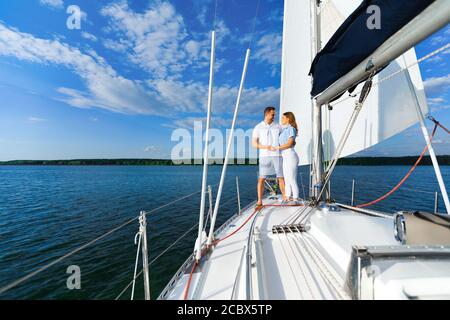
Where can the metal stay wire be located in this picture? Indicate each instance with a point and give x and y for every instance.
(84, 246)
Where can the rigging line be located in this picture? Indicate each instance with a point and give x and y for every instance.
(404, 178)
(428, 56)
(438, 123)
(303, 217)
(294, 215)
(301, 267)
(156, 258)
(290, 267)
(317, 278)
(328, 272)
(254, 24)
(223, 204)
(297, 212)
(71, 253)
(186, 291)
(176, 200)
(32, 274)
(215, 15)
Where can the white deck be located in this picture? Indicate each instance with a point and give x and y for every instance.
(293, 265)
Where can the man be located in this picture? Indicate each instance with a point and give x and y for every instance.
(265, 137)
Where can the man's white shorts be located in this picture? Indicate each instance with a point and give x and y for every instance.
(269, 166)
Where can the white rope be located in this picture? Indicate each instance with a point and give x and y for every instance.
(138, 236)
(428, 56)
(290, 267)
(300, 267)
(323, 267)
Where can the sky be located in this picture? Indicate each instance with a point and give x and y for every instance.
(138, 69)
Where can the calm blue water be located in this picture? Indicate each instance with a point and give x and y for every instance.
(47, 211)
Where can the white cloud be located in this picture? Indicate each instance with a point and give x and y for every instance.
(108, 90)
(89, 36)
(157, 39)
(154, 36)
(119, 46)
(216, 123)
(435, 101)
(58, 4)
(191, 97)
(153, 149)
(438, 39)
(439, 108)
(268, 50)
(436, 85)
(36, 120)
(447, 31)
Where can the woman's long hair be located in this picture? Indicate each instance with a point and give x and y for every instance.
(292, 121)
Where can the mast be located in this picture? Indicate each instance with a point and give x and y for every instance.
(317, 153)
(228, 152)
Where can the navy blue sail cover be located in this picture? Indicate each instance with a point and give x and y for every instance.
(353, 42)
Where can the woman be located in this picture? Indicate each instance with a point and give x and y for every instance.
(290, 158)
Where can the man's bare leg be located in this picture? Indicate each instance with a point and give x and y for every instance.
(260, 189)
(282, 188)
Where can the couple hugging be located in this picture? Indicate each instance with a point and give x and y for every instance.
(276, 154)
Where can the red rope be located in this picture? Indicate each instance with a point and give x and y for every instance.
(405, 177)
(251, 216)
(186, 292)
(441, 126)
(237, 230)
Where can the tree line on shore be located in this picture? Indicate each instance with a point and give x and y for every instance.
(355, 161)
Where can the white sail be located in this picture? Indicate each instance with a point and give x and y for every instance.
(296, 61)
(390, 107)
(388, 110)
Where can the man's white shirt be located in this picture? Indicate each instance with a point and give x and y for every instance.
(267, 135)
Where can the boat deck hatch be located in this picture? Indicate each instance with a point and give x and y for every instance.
(290, 228)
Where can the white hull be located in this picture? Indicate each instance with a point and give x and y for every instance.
(312, 264)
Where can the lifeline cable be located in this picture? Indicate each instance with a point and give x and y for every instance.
(404, 178)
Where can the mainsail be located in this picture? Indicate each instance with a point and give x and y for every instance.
(296, 60)
(389, 109)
